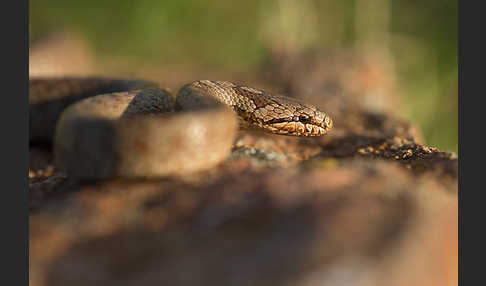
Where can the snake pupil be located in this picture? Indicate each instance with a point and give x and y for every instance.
(304, 119)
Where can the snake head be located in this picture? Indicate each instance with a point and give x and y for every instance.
(304, 124)
(290, 116)
(273, 113)
(316, 125)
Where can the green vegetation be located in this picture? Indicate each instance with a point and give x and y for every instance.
(421, 37)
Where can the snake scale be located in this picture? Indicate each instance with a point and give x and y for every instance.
(104, 128)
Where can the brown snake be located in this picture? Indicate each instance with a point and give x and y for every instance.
(274, 113)
(149, 133)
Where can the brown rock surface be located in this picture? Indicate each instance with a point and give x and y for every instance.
(349, 221)
(61, 54)
(367, 204)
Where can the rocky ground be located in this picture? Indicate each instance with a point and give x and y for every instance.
(367, 204)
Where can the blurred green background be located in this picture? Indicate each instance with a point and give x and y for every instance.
(419, 36)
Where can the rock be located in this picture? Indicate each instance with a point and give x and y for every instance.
(360, 221)
(367, 204)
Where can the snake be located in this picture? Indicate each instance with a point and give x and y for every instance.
(135, 129)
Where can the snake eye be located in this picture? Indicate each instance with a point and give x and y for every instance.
(304, 119)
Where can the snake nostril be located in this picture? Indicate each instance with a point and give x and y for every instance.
(328, 122)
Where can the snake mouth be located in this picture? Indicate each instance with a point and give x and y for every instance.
(297, 127)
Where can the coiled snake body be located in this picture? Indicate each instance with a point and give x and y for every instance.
(148, 133)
